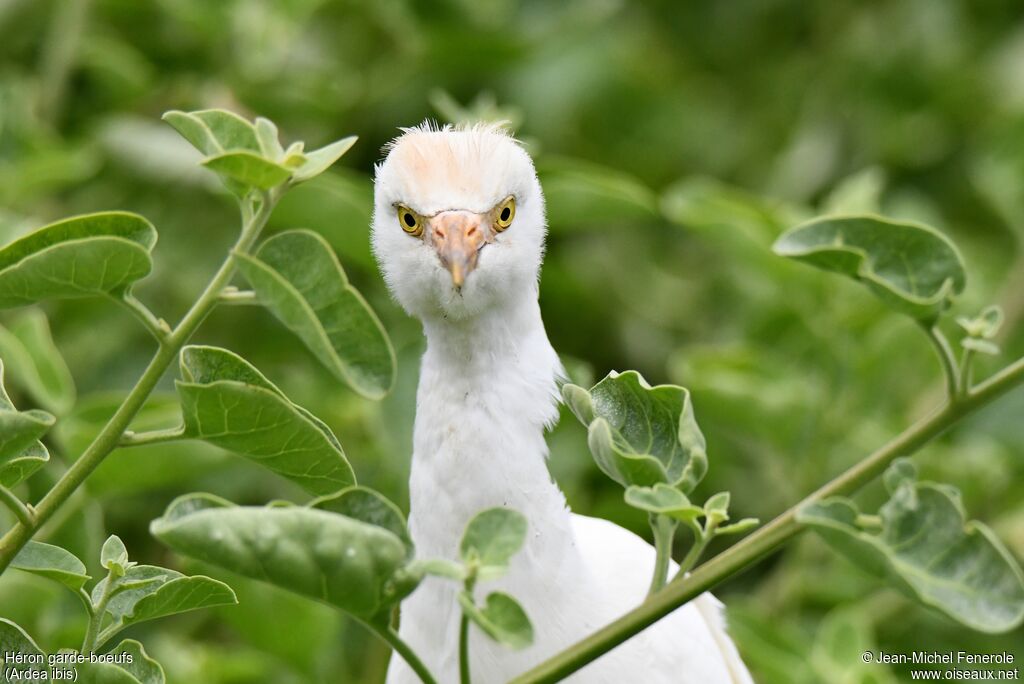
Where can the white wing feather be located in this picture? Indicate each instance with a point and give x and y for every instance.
(691, 644)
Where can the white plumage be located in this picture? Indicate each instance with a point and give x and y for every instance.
(487, 393)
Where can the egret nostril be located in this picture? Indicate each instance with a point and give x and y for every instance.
(472, 231)
(439, 232)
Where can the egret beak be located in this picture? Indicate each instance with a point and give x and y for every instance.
(458, 236)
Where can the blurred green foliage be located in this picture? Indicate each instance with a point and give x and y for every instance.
(675, 141)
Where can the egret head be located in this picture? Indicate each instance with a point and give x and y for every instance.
(458, 225)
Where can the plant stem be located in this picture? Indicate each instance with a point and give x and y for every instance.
(693, 555)
(157, 327)
(405, 651)
(467, 595)
(768, 538)
(89, 643)
(464, 677)
(664, 529)
(110, 436)
(86, 600)
(130, 439)
(947, 358)
(20, 510)
(996, 386)
(966, 370)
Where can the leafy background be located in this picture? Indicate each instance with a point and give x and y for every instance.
(675, 141)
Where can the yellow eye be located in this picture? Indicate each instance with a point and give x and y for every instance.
(411, 222)
(504, 213)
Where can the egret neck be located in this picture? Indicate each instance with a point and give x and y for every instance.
(487, 392)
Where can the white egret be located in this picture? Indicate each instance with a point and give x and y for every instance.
(458, 230)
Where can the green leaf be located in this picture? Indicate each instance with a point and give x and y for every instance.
(114, 556)
(13, 639)
(103, 673)
(85, 255)
(579, 402)
(294, 156)
(52, 562)
(927, 550)
(641, 435)
(320, 160)
(251, 156)
(147, 592)
(662, 499)
(902, 471)
(212, 131)
(270, 143)
(297, 276)
(193, 503)
(227, 402)
(981, 329)
(144, 668)
(913, 268)
(347, 563)
(18, 465)
(21, 452)
(35, 362)
(985, 325)
(193, 130)
(491, 538)
(140, 579)
(501, 618)
(139, 668)
(980, 346)
(231, 131)
(716, 509)
(368, 506)
(249, 169)
(218, 133)
(176, 595)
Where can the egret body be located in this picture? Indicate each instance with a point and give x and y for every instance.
(459, 231)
